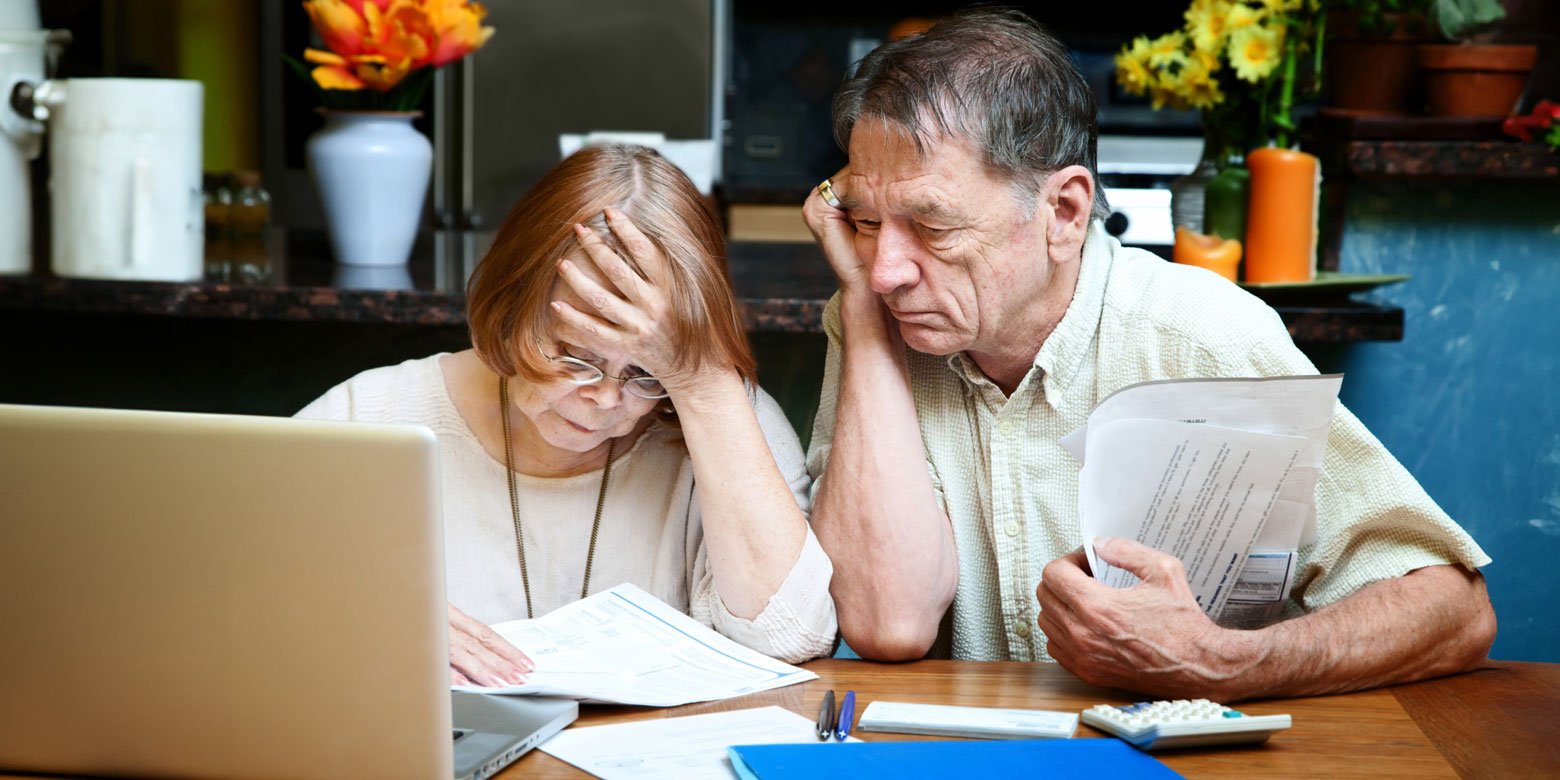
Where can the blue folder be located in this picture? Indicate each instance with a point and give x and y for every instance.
(947, 760)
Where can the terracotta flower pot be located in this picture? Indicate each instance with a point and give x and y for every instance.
(1375, 72)
(1475, 80)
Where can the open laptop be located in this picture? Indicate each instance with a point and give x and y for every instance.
(188, 595)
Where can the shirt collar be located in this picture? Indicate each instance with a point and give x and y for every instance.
(1074, 335)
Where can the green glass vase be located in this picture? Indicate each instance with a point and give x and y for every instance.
(1224, 202)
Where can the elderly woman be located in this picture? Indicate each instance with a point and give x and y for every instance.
(606, 425)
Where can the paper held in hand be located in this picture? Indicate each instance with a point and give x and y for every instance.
(1220, 473)
(625, 646)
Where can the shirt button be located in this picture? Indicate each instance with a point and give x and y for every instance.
(1022, 629)
(1012, 529)
(1006, 428)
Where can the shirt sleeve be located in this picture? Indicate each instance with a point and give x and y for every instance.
(798, 622)
(822, 440)
(828, 398)
(1374, 520)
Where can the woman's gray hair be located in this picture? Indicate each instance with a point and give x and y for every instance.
(993, 78)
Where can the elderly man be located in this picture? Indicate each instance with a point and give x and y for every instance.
(982, 313)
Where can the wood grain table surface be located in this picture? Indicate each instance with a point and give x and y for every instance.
(1501, 720)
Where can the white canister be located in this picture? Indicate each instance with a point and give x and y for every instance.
(125, 182)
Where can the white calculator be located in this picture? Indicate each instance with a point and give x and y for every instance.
(1151, 725)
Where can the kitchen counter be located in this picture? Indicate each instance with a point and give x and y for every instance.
(783, 288)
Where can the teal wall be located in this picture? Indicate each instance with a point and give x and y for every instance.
(1468, 400)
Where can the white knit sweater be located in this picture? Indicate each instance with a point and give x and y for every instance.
(651, 531)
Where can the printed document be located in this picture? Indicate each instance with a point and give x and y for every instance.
(1220, 473)
(686, 748)
(625, 646)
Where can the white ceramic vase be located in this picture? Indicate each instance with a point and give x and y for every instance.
(371, 169)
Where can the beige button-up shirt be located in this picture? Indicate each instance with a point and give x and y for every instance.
(1011, 490)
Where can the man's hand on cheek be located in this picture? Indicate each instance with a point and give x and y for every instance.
(1150, 638)
(834, 231)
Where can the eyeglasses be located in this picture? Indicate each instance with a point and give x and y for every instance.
(583, 372)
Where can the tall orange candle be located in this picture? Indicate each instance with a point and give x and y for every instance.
(1281, 224)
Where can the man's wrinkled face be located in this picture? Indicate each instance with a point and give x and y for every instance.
(952, 251)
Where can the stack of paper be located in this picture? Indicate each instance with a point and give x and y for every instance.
(1220, 473)
(624, 646)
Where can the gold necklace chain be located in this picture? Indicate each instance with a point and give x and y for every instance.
(514, 500)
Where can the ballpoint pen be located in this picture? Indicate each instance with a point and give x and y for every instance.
(826, 716)
(847, 714)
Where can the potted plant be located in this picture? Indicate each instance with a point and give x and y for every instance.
(1372, 65)
(1469, 78)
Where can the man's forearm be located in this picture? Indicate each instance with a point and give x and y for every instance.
(877, 515)
(1431, 622)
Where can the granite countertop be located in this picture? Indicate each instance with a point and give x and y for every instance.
(783, 288)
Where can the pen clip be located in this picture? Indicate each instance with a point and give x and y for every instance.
(826, 716)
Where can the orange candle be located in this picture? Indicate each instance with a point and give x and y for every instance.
(1219, 255)
(1281, 223)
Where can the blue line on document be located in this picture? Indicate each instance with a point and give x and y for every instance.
(696, 639)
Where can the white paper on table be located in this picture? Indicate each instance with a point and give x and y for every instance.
(625, 646)
(1198, 492)
(687, 748)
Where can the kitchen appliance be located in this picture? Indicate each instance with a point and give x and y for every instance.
(1136, 173)
(21, 58)
(24, 50)
(125, 177)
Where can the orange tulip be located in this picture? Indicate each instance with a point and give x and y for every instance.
(374, 44)
(458, 27)
(334, 71)
(1219, 255)
(353, 73)
(342, 26)
(400, 34)
(357, 5)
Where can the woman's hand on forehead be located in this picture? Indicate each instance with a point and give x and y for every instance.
(616, 311)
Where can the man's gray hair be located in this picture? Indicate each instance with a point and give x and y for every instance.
(993, 78)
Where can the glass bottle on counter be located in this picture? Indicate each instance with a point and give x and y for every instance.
(249, 226)
(218, 198)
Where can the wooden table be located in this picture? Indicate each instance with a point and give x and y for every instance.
(1502, 720)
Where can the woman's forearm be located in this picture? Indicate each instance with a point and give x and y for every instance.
(753, 528)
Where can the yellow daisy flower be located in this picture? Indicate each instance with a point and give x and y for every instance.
(1255, 51)
(1281, 6)
(1208, 60)
(1132, 71)
(1198, 87)
(1208, 22)
(1163, 97)
(1167, 49)
(1242, 16)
